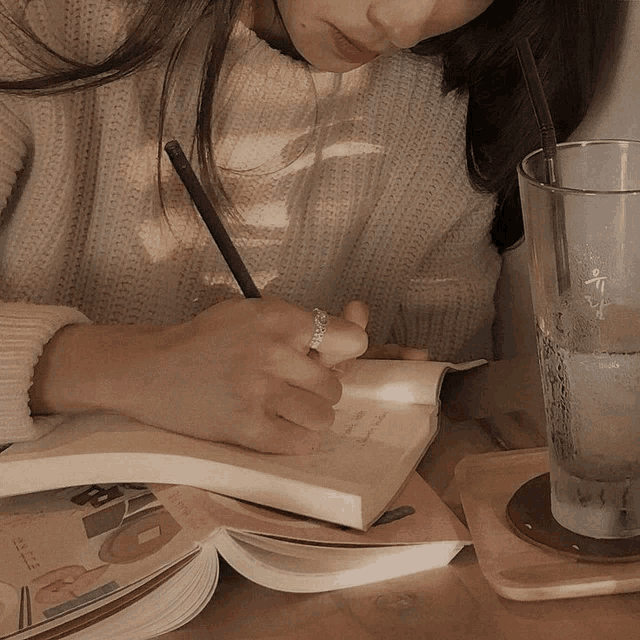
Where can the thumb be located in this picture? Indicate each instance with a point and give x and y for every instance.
(357, 312)
(346, 338)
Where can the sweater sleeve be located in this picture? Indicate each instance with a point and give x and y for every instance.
(24, 328)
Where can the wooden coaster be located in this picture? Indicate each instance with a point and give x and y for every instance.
(529, 512)
(515, 567)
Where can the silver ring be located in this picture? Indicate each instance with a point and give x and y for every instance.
(320, 320)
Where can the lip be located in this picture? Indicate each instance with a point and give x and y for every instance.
(350, 50)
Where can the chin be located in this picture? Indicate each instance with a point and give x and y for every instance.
(328, 63)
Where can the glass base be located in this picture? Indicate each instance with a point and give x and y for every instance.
(598, 509)
(529, 513)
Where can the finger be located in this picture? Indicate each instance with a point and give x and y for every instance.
(409, 353)
(305, 373)
(343, 340)
(391, 352)
(303, 408)
(357, 312)
(278, 435)
(343, 368)
(291, 439)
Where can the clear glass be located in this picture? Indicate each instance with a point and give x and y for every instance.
(588, 329)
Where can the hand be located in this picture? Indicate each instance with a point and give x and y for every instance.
(239, 373)
(358, 313)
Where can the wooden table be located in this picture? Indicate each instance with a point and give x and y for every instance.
(454, 602)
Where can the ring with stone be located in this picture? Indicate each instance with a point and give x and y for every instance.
(320, 320)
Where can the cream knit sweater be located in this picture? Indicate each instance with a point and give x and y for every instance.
(349, 186)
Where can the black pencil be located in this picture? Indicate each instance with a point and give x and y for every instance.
(210, 218)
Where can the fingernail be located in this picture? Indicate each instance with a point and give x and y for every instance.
(416, 354)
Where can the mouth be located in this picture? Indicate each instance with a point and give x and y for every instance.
(350, 50)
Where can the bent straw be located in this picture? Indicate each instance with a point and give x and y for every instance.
(549, 149)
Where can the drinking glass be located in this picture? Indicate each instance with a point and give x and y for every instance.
(584, 267)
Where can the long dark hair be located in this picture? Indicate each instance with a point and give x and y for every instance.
(569, 39)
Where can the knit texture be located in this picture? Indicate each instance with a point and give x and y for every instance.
(24, 329)
(345, 186)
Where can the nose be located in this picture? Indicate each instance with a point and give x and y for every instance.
(404, 22)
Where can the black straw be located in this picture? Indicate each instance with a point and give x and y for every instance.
(550, 152)
(210, 218)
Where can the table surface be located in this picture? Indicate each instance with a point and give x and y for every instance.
(447, 603)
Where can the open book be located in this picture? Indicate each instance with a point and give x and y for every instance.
(386, 419)
(101, 562)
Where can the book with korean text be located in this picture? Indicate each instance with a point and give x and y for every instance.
(133, 561)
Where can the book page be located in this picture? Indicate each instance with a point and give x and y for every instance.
(416, 516)
(418, 532)
(66, 551)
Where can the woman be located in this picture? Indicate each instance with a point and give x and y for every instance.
(357, 151)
